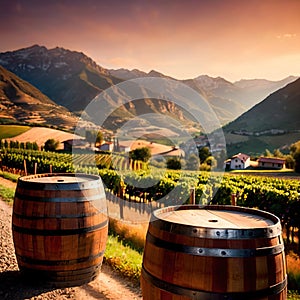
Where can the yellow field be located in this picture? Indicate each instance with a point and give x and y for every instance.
(40, 135)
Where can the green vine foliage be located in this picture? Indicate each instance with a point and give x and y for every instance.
(275, 195)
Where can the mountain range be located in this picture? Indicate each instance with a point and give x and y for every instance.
(67, 77)
(72, 79)
(52, 85)
(20, 102)
(282, 107)
(271, 124)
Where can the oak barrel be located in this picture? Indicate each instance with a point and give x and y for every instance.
(60, 227)
(212, 253)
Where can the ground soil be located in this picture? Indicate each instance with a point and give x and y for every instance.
(109, 285)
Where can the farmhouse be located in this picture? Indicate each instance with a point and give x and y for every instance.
(239, 161)
(74, 143)
(107, 146)
(271, 163)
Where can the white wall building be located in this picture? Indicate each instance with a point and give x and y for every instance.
(239, 161)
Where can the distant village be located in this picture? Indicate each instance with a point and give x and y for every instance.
(239, 161)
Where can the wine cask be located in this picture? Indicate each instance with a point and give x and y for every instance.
(212, 253)
(60, 227)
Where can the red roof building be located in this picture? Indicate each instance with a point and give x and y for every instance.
(239, 162)
(271, 163)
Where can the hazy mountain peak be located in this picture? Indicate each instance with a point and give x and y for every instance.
(212, 82)
(154, 73)
(39, 57)
(255, 83)
(279, 111)
(126, 74)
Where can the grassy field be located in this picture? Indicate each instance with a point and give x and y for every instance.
(9, 131)
(124, 249)
(246, 144)
(40, 135)
(123, 258)
(289, 173)
(7, 194)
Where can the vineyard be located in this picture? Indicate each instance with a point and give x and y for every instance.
(34, 161)
(133, 181)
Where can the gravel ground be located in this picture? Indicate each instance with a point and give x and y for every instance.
(12, 284)
(108, 285)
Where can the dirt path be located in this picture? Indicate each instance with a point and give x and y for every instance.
(109, 285)
(7, 183)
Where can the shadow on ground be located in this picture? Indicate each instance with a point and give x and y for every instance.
(14, 286)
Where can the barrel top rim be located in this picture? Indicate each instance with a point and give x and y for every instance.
(216, 221)
(59, 178)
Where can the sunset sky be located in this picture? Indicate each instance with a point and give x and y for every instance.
(233, 39)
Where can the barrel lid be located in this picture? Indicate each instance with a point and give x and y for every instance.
(210, 218)
(60, 181)
(221, 221)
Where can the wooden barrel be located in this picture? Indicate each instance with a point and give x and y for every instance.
(60, 227)
(213, 253)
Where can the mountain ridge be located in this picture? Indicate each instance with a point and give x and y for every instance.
(73, 80)
(285, 112)
(271, 124)
(22, 102)
(69, 78)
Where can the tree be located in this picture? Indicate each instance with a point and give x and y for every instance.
(91, 136)
(174, 164)
(211, 161)
(51, 145)
(221, 157)
(289, 161)
(268, 153)
(99, 138)
(193, 162)
(204, 154)
(278, 153)
(35, 146)
(295, 152)
(28, 146)
(143, 154)
(94, 137)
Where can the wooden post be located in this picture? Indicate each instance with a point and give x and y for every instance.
(192, 196)
(233, 199)
(25, 167)
(35, 168)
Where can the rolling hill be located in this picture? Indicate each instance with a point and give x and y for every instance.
(279, 111)
(41, 134)
(273, 123)
(20, 102)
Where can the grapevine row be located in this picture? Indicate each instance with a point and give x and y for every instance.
(278, 196)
